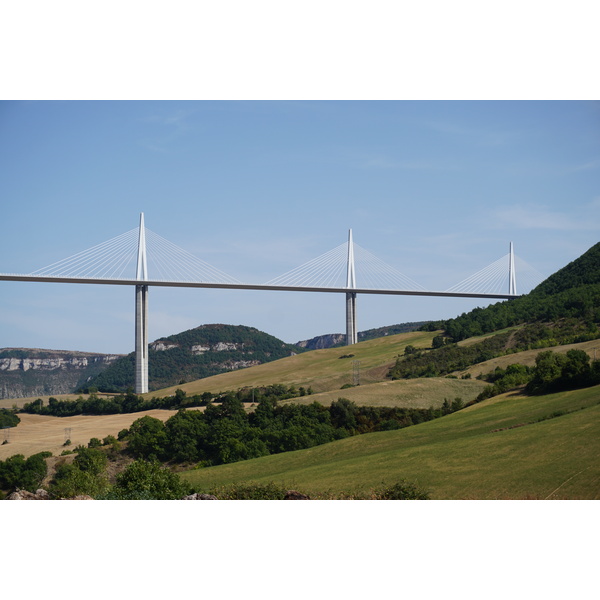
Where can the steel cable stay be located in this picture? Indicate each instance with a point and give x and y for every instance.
(165, 260)
(179, 263)
(369, 266)
(170, 263)
(305, 273)
(479, 281)
(481, 276)
(77, 263)
(495, 277)
(529, 276)
(332, 274)
(124, 256)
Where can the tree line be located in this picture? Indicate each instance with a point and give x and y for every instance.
(227, 433)
(131, 403)
(446, 356)
(553, 372)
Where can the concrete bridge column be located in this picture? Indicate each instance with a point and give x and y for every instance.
(351, 331)
(141, 316)
(141, 339)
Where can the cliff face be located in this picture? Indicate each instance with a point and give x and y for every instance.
(323, 341)
(339, 339)
(28, 372)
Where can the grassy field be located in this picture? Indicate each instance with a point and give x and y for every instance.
(508, 447)
(322, 370)
(20, 402)
(37, 433)
(404, 393)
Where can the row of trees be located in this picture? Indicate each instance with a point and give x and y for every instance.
(447, 357)
(131, 403)
(553, 372)
(556, 372)
(227, 433)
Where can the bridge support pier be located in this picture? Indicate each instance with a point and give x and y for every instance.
(351, 331)
(141, 315)
(141, 339)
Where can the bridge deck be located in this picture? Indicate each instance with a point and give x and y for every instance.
(249, 286)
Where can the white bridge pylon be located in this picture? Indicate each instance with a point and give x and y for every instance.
(347, 269)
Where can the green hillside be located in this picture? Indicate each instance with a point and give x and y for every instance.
(320, 370)
(511, 446)
(571, 293)
(197, 353)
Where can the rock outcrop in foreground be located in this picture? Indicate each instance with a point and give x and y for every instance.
(43, 495)
(40, 495)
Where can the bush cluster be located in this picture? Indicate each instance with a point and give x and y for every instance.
(8, 418)
(555, 372)
(17, 472)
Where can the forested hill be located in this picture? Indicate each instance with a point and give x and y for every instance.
(573, 292)
(201, 352)
(582, 272)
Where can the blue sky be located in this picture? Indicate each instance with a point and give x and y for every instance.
(436, 189)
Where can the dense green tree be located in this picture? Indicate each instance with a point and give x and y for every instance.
(8, 418)
(148, 480)
(186, 432)
(17, 472)
(343, 414)
(147, 437)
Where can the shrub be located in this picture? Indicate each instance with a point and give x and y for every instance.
(250, 491)
(18, 472)
(147, 480)
(8, 418)
(402, 490)
(70, 481)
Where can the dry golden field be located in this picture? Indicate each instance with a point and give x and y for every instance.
(37, 433)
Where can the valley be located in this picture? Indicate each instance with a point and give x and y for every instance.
(499, 403)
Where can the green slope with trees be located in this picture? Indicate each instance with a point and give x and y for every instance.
(573, 292)
(195, 354)
(511, 446)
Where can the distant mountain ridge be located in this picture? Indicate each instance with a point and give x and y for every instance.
(28, 372)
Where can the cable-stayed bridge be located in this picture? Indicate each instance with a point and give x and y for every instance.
(130, 259)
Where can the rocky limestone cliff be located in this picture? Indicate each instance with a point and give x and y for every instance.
(323, 341)
(339, 339)
(26, 372)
